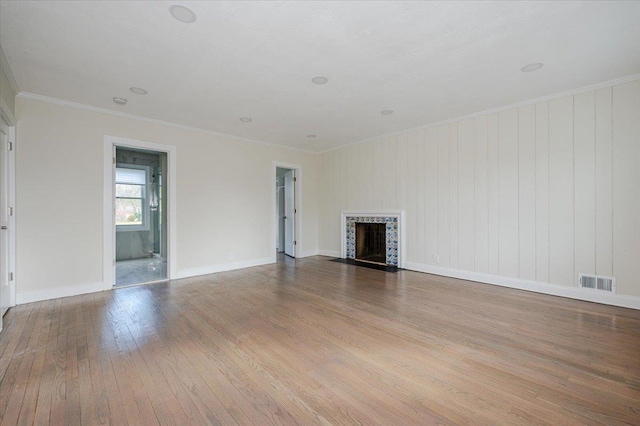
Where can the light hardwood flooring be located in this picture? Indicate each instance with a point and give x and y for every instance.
(317, 342)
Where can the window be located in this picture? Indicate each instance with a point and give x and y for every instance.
(132, 208)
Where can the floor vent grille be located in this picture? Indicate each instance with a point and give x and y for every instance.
(597, 282)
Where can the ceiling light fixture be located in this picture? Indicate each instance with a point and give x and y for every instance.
(311, 136)
(532, 67)
(120, 101)
(138, 90)
(246, 119)
(182, 13)
(320, 79)
(386, 112)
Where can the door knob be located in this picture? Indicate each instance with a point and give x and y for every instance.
(3, 227)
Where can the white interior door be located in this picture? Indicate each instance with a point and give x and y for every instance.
(289, 213)
(5, 290)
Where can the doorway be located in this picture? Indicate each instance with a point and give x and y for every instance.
(7, 218)
(140, 216)
(286, 211)
(139, 212)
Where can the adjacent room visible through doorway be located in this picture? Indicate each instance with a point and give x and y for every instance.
(140, 216)
(286, 211)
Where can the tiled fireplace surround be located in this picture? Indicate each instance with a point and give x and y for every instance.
(394, 233)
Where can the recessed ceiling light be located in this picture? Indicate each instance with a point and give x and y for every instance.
(386, 112)
(532, 67)
(120, 101)
(311, 136)
(138, 90)
(182, 13)
(246, 119)
(320, 79)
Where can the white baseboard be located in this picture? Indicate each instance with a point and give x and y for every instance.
(535, 286)
(308, 253)
(330, 253)
(212, 269)
(58, 292)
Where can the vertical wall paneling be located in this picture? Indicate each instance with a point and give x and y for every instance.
(443, 195)
(453, 195)
(378, 165)
(412, 197)
(431, 194)
(343, 180)
(481, 194)
(508, 202)
(584, 159)
(466, 193)
(328, 200)
(626, 191)
(362, 170)
(388, 174)
(561, 192)
(542, 192)
(527, 192)
(603, 175)
(401, 170)
(351, 182)
(421, 189)
(493, 192)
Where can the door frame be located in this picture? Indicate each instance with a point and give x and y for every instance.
(109, 226)
(297, 217)
(7, 117)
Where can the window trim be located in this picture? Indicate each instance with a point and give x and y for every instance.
(146, 210)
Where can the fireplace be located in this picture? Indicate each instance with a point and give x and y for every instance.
(371, 242)
(374, 237)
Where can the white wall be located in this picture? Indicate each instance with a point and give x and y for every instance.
(534, 194)
(6, 92)
(224, 197)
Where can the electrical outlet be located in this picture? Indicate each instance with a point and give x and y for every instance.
(230, 255)
(436, 259)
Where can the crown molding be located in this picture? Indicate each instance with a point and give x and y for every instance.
(528, 102)
(84, 107)
(4, 64)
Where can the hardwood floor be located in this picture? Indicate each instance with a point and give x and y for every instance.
(318, 342)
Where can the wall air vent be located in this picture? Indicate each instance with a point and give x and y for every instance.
(597, 282)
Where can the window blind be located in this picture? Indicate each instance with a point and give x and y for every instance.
(131, 176)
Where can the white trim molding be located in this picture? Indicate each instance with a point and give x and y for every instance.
(329, 253)
(535, 286)
(76, 105)
(526, 102)
(398, 214)
(109, 227)
(212, 269)
(59, 292)
(8, 72)
(297, 206)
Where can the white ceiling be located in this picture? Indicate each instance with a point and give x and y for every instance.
(427, 61)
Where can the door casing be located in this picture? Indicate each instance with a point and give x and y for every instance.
(8, 125)
(298, 206)
(109, 228)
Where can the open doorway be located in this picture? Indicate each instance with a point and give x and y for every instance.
(286, 211)
(140, 216)
(7, 218)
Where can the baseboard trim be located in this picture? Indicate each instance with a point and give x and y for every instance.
(59, 292)
(308, 253)
(212, 269)
(535, 286)
(329, 253)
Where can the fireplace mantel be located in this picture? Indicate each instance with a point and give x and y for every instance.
(367, 215)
